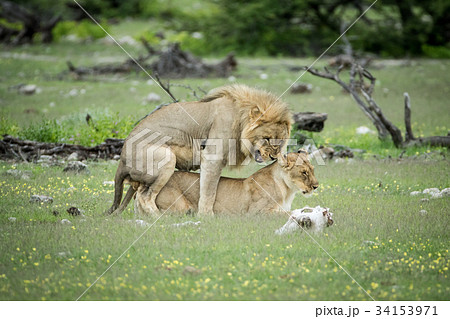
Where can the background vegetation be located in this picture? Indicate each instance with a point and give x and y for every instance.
(266, 27)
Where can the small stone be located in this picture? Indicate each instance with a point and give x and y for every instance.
(41, 199)
(108, 183)
(415, 193)
(73, 157)
(301, 88)
(436, 195)
(231, 78)
(445, 192)
(363, 130)
(263, 76)
(116, 157)
(12, 219)
(141, 222)
(66, 222)
(431, 190)
(28, 89)
(423, 212)
(153, 97)
(76, 166)
(73, 92)
(45, 159)
(189, 270)
(74, 211)
(424, 200)
(370, 243)
(19, 174)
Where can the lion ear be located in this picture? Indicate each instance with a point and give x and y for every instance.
(285, 162)
(255, 113)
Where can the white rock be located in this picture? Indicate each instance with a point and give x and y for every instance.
(415, 193)
(197, 35)
(132, 89)
(73, 157)
(105, 183)
(52, 104)
(41, 199)
(362, 130)
(431, 191)
(423, 212)
(436, 195)
(76, 166)
(82, 91)
(66, 222)
(153, 97)
(424, 200)
(370, 243)
(12, 219)
(263, 76)
(188, 223)
(231, 78)
(138, 222)
(127, 40)
(28, 89)
(445, 192)
(73, 92)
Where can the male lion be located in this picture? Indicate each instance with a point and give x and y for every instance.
(224, 128)
(270, 190)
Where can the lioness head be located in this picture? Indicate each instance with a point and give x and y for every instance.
(300, 171)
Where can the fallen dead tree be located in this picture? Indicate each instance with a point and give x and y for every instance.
(169, 62)
(12, 148)
(362, 91)
(310, 121)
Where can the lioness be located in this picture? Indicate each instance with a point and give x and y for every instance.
(271, 189)
(224, 128)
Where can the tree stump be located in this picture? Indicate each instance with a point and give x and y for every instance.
(310, 121)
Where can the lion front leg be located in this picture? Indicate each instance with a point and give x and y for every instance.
(209, 179)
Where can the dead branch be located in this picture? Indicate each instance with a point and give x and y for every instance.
(165, 87)
(18, 149)
(171, 62)
(362, 94)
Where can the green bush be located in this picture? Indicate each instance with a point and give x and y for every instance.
(47, 131)
(83, 30)
(72, 130)
(436, 52)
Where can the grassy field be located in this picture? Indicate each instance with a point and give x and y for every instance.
(380, 237)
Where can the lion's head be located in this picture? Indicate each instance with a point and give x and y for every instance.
(264, 124)
(300, 171)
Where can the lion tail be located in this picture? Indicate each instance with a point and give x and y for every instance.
(126, 200)
(118, 189)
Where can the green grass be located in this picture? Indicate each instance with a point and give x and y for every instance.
(237, 257)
